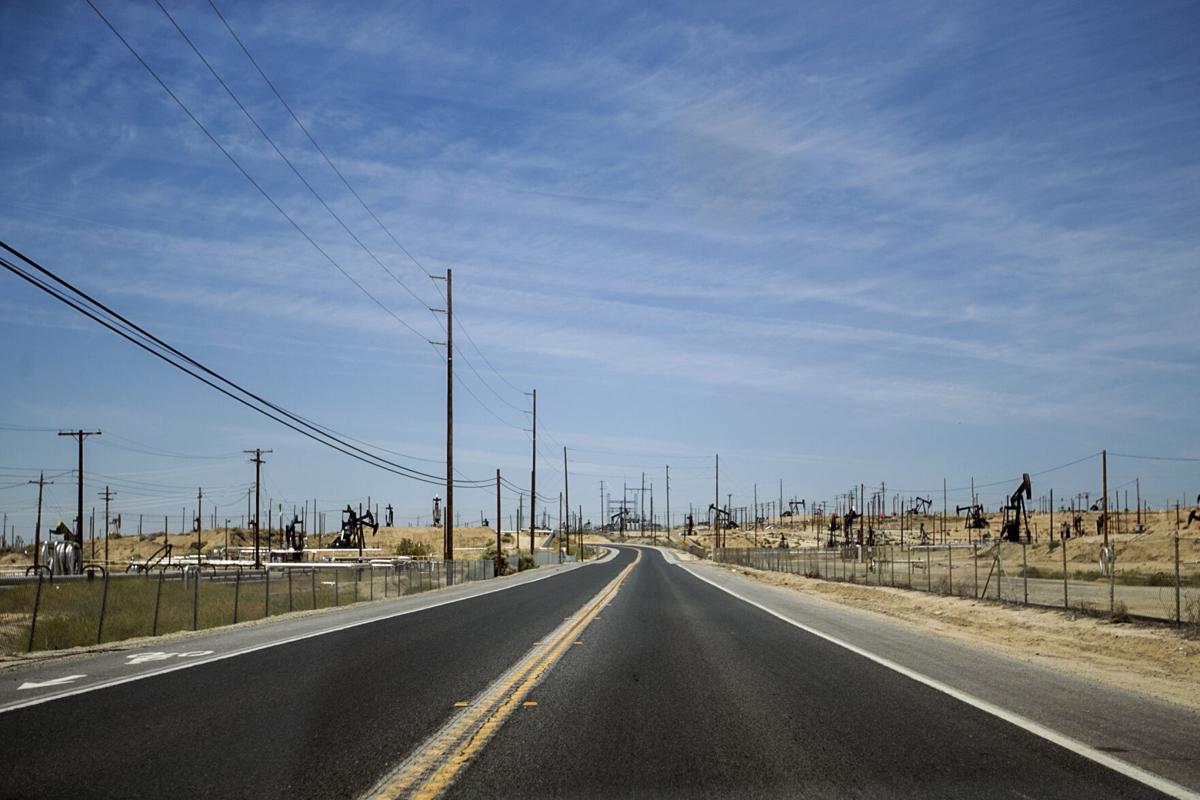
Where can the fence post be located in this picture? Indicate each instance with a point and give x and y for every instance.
(290, 606)
(37, 598)
(385, 582)
(157, 599)
(337, 587)
(371, 573)
(196, 598)
(103, 607)
(1025, 571)
(1066, 599)
(975, 558)
(237, 590)
(928, 569)
(1178, 615)
(314, 587)
(266, 592)
(1112, 578)
(999, 572)
(950, 566)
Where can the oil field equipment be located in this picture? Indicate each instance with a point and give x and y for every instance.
(1015, 513)
(352, 529)
(975, 518)
(62, 557)
(726, 518)
(294, 536)
(437, 511)
(921, 506)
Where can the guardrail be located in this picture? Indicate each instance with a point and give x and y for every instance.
(44, 612)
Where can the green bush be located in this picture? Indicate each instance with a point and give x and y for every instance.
(407, 547)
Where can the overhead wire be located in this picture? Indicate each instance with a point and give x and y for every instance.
(183, 106)
(137, 335)
(371, 212)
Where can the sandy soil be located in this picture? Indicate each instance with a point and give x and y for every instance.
(1156, 661)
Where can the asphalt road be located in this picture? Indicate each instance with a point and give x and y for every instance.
(677, 689)
(680, 690)
(323, 717)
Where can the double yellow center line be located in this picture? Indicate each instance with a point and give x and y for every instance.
(433, 766)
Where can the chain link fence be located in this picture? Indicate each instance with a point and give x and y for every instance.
(994, 571)
(50, 613)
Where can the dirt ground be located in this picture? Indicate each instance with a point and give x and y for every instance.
(1149, 551)
(1153, 660)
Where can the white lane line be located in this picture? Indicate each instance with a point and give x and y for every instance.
(196, 662)
(51, 682)
(1138, 774)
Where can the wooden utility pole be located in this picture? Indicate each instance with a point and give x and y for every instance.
(642, 508)
(107, 496)
(199, 522)
(258, 462)
(533, 477)
(668, 502)
(499, 552)
(448, 522)
(37, 529)
(80, 435)
(567, 500)
(756, 509)
(716, 513)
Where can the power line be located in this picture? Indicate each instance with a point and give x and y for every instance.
(286, 160)
(366, 208)
(1156, 458)
(248, 176)
(139, 336)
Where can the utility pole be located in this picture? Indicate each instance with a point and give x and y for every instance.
(642, 508)
(448, 522)
(533, 477)
(668, 502)
(80, 435)
(499, 552)
(37, 530)
(756, 509)
(716, 515)
(567, 500)
(108, 496)
(257, 461)
(199, 523)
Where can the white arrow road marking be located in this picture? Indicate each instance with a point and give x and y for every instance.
(142, 658)
(53, 682)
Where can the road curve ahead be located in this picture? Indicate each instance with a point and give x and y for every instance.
(681, 690)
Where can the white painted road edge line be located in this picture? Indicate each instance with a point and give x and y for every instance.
(1138, 774)
(254, 648)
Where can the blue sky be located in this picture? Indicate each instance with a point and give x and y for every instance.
(835, 244)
